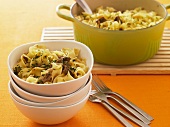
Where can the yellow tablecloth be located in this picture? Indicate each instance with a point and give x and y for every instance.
(22, 21)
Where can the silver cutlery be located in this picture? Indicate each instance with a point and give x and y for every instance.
(127, 107)
(117, 115)
(101, 96)
(84, 6)
(104, 89)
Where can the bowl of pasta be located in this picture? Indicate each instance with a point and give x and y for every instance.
(54, 68)
(119, 32)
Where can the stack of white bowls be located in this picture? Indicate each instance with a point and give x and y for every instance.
(50, 103)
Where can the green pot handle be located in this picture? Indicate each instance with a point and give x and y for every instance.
(58, 11)
(167, 6)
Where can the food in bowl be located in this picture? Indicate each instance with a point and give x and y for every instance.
(111, 19)
(53, 89)
(43, 66)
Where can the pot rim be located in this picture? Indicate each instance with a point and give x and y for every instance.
(104, 30)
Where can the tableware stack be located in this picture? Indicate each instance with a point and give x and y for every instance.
(50, 103)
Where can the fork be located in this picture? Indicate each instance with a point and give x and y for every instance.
(127, 107)
(104, 89)
(114, 113)
(101, 96)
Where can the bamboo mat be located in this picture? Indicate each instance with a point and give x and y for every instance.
(159, 64)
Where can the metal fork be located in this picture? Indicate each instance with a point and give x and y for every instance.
(114, 113)
(125, 106)
(103, 97)
(104, 89)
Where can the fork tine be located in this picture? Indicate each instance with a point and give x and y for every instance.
(95, 85)
(99, 83)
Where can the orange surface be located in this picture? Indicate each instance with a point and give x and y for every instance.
(22, 21)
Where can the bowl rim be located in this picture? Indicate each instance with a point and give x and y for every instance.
(57, 41)
(54, 107)
(41, 103)
(31, 103)
(49, 97)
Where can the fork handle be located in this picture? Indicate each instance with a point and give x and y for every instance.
(117, 115)
(140, 123)
(134, 112)
(133, 106)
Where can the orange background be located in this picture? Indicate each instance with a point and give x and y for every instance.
(22, 21)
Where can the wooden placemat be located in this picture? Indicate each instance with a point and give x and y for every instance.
(159, 64)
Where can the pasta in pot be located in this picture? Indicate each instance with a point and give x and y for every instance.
(110, 19)
(42, 66)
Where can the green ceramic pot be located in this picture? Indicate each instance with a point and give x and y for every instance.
(118, 47)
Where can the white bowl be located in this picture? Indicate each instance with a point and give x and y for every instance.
(76, 97)
(55, 89)
(50, 115)
(37, 98)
